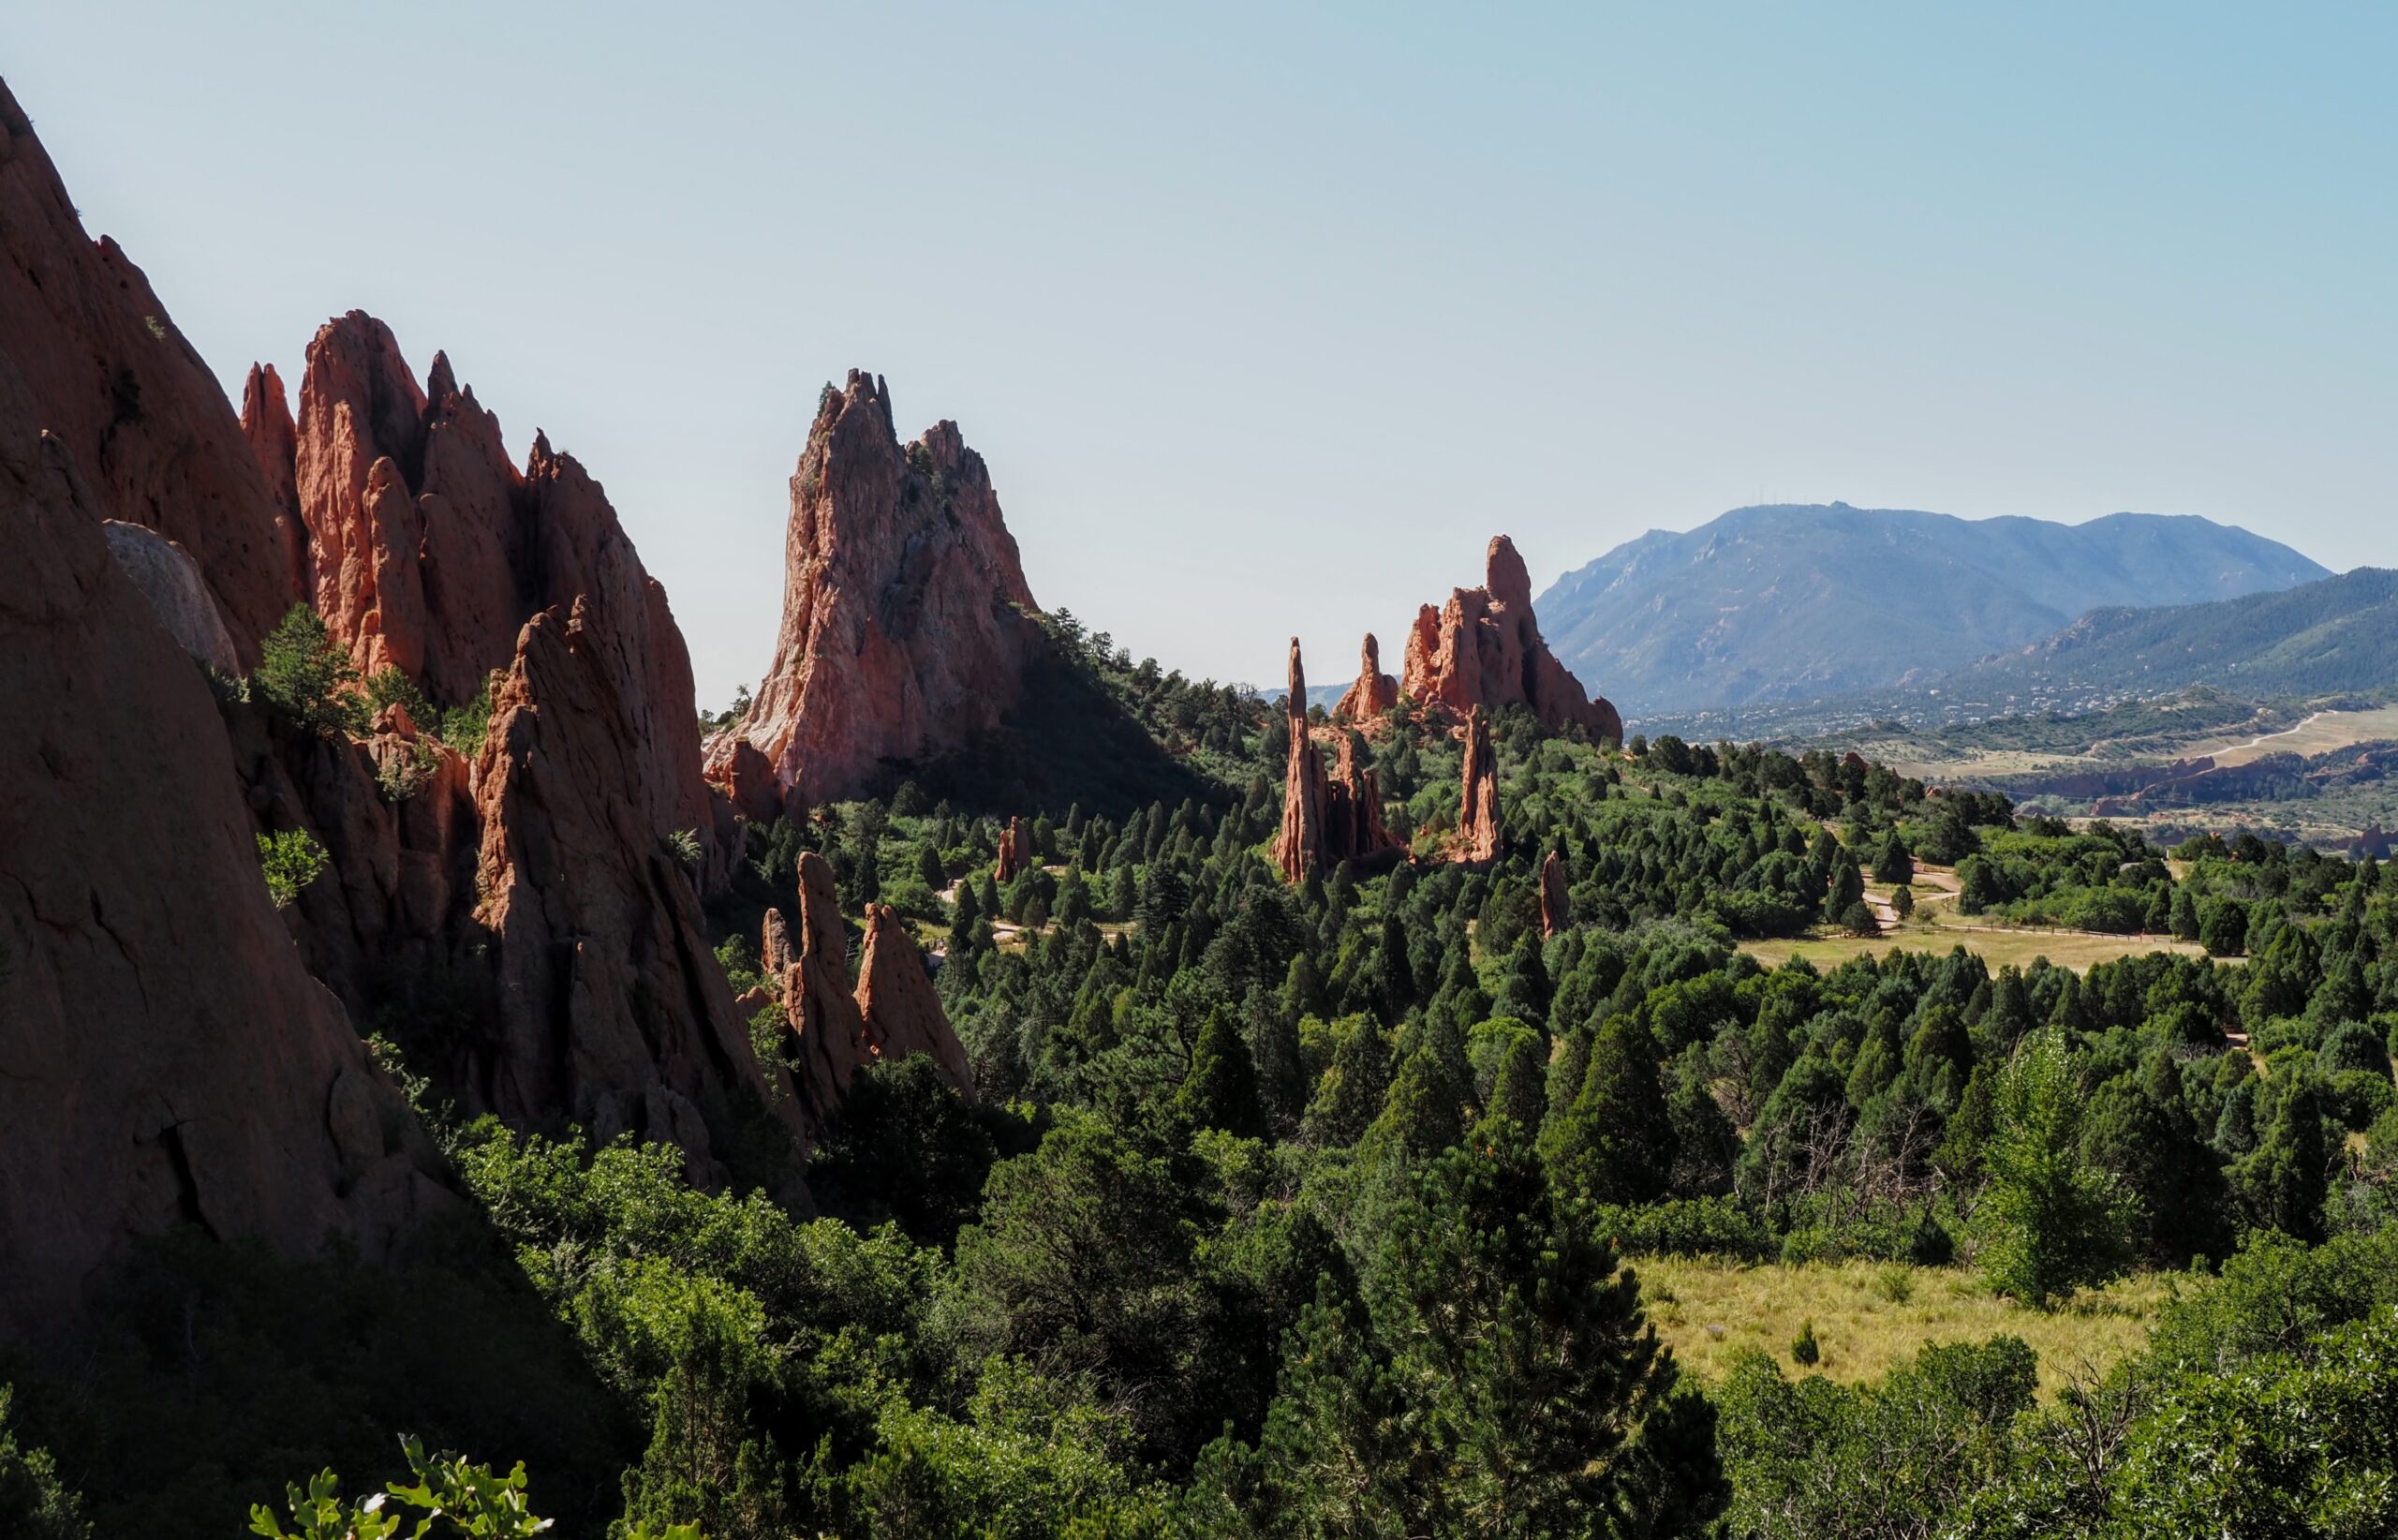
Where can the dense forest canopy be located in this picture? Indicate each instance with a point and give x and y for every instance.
(1320, 1210)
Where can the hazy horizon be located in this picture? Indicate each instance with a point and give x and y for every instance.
(1267, 323)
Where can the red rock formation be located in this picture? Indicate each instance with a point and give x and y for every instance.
(429, 551)
(1012, 852)
(1298, 849)
(1483, 649)
(147, 425)
(896, 998)
(1556, 904)
(1479, 805)
(1325, 819)
(1374, 692)
(274, 444)
(906, 617)
(613, 1009)
(827, 1039)
(164, 1059)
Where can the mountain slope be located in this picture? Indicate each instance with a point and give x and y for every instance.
(2320, 638)
(1787, 602)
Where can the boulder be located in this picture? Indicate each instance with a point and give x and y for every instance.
(170, 582)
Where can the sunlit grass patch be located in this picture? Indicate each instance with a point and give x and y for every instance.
(1869, 1316)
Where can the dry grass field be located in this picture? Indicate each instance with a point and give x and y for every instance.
(1870, 1315)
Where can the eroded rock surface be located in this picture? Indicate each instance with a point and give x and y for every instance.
(1478, 802)
(907, 622)
(165, 1058)
(1483, 650)
(1374, 691)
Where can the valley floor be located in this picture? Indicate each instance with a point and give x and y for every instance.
(1936, 928)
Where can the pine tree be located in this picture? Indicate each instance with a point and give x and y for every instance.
(1893, 862)
(1616, 1142)
(1220, 1091)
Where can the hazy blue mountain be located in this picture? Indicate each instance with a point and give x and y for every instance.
(2322, 638)
(1788, 601)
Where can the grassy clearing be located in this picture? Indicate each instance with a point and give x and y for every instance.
(2320, 733)
(1870, 1315)
(2073, 949)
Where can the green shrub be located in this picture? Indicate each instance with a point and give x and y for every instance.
(1806, 1352)
(291, 861)
(33, 1504)
(303, 677)
(390, 687)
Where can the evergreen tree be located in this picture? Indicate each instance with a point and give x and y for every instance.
(1616, 1142)
(1220, 1091)
(1893, 862)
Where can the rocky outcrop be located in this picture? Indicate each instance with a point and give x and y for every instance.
(1478, 804)
(1327, 818)
(901, 1012)
(165, 1058)
(1374, 691)
(1483, 650)
(1011, 853)
(102, 366)
(171, 584)
(611, 1009)
(905, 618)
(274, 444)
(827, 1035)
(1556, 904)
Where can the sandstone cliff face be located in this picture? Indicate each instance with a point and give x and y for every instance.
(905, 618)
(1478, 803)
(1374, 691)
(178, 595)
(613, 1009)
(145, 423)
(901, 1010)
(1556, 904)
(1010, 865)
(1483, 649)
(165, 1058)
(1327, 818)
(529, 898)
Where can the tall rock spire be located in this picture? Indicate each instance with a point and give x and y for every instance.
(907, 622)
(1374, 692)
(1478, 804)
(1326, 819)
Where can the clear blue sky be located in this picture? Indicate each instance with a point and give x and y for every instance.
(1266, 319)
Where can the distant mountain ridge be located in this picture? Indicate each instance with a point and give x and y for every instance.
(1786, 602)
(2323, 638)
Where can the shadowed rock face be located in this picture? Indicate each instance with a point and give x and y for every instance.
(165, 1058)
(1483, 649)
(833, 1030)
(906, 619)
(614, 1011)
(145, 424)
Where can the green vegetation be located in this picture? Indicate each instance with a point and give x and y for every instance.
(289, 860)
(1348, 1208)
(305, 679)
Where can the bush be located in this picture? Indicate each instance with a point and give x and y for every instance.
(291, 861)
(33, 1504)
(391, 687)
(1805, 1351)
(303, 677)
(1684, 1227)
